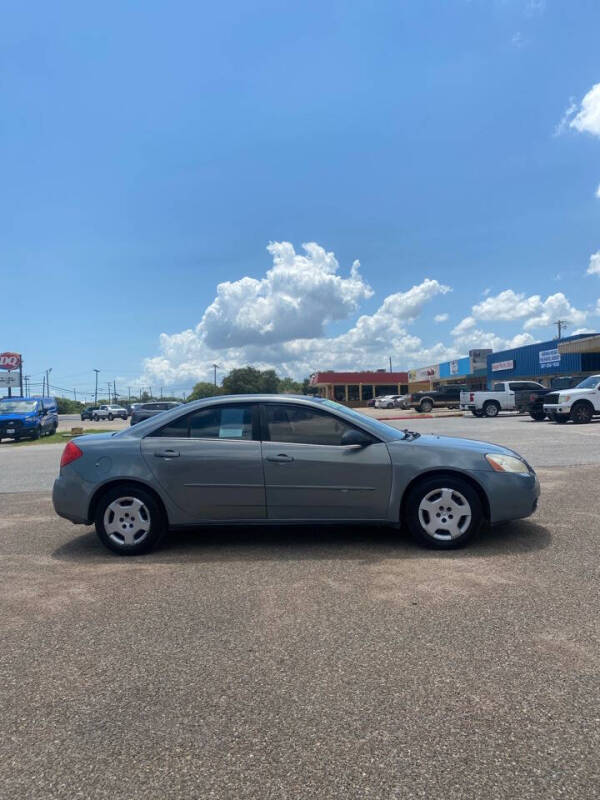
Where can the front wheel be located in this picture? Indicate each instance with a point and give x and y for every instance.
(582, 413)
(426, 406)
(538, 416)
(36, 433)
(477, 412)
(110, 416)
(129, 520)
(443, 513)
(560, 419)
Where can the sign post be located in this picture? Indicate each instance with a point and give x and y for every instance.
(9, 362)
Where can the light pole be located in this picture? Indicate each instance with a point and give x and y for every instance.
(96, 389)
(216, 367)
(48, 371)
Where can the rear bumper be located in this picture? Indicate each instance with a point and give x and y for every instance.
(71, 500)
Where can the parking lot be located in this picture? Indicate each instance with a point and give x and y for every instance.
(306, 663)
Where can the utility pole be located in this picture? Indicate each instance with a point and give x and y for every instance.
(48, 371)
(390, 364)
(96, 389)
(26, 378)
(161, 388)
(75, 394)
(114, 390)
(108, 384)
(215, 367)
(561, 324)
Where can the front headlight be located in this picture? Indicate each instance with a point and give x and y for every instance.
(564, 398)
(502, 463)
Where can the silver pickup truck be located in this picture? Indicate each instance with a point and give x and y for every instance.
(109, 412)
(504, 396)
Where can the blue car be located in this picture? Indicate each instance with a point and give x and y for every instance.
(27, 417)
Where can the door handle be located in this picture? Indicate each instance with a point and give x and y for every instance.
(280, 458)
(166, 453)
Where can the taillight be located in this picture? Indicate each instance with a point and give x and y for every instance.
(471, 397)
(70, 453)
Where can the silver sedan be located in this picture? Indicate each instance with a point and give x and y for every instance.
(275, 459)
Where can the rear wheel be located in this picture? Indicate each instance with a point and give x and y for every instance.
(129, 520)
(443, 512)
(110, 416)
(477, 412)
(426, 406)
(491, 408)
(582, 413)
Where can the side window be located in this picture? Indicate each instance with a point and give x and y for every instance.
(222, 422)
(498, 387)
(303, 425)
(176, 428)
(218, 422)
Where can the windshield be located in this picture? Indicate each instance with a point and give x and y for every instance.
(374, 424)
(589, 383)
(17, 406)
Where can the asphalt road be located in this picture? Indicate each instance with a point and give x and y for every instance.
(310, 663)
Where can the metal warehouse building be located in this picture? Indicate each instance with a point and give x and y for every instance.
(542, 361)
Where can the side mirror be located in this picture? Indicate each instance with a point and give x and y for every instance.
(355, 438)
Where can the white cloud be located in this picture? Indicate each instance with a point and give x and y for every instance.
(536, 313)
(598, 191)
(441, 317)
(466, 324)
(566, 117)
(280, 321)
(594, 266)
(587, 119)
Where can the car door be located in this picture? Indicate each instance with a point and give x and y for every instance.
(309, 475)
(209, 462)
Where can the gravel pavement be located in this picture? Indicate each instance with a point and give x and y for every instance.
(306, 663)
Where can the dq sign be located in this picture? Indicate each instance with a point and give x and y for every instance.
(10, 360)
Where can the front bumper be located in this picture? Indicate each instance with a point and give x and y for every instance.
(10, 430)
(510, 495)
(560, 408)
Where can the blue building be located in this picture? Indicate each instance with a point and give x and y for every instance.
(541, 362)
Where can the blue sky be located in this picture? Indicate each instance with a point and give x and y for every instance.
(152, 151)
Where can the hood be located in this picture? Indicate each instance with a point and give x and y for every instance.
(456, 443)
(17, 415)
(576, 392)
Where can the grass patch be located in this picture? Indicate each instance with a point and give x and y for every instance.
(60, 437)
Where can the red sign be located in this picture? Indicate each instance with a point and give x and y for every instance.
(10, 360)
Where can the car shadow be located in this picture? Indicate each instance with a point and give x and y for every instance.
(293, 543)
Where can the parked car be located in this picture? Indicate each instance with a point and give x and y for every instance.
(274, 459)
(109, 412)
(389, 401)
(88, 413)
(580, 404)
(27, 417)
(534, 404)
(147, 410)
(447, 396)
(504, 396)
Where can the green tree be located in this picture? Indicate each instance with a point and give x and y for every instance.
(67, 406)
(249, 380)
(203, 389)
(290, 386)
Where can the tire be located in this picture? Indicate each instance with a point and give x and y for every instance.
(582, 413)
(390, 405)
(560, 419)
(426, 406)
(36, 433)
(538, 416)
(121, 534)
(491, 409)
(441, 493)
(477, 412)
(110, 416)
(94, 418)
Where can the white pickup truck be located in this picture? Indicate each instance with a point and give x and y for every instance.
(579, 404)
(504, 396)
(109, 412)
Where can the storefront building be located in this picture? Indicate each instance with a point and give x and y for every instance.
(357, 388)
(545, 360)
(470, 370)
